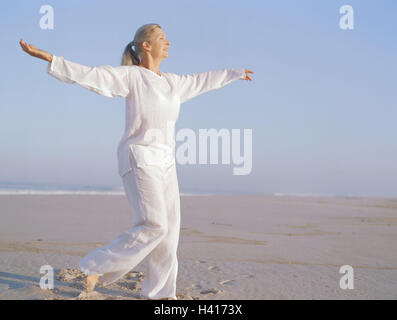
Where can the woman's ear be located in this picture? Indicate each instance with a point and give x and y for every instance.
(146, 45)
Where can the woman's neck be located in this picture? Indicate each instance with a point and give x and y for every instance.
(151, 64)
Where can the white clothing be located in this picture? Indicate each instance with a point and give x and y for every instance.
(152, 101)
(153, 193)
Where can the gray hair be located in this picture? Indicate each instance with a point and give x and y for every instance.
(133, 56)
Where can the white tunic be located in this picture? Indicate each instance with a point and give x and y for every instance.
(152, 101)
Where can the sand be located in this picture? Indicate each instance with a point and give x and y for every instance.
(231, 247)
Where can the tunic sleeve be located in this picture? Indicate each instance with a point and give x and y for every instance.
(192, 85)
(105, 80)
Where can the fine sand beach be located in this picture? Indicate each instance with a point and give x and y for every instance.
(231, 247)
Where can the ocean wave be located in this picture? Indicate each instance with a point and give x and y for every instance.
(75, 192)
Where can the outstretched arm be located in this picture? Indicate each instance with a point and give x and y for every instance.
(105, 80)
(34, 52)
(192, 85)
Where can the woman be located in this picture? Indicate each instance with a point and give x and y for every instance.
(146, 160)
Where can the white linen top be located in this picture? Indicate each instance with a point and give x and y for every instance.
(152, 101)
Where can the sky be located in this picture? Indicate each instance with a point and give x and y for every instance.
(322, 106)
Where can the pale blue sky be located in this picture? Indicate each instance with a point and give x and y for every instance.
(322, 106)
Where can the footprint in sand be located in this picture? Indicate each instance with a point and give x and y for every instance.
(74, 278)
(135, 275)
(227, 282)
(214, 268)
(211, 291)
(133, 286)
(70, 275)
(77, 285)
(186, 297)
(194, 287)
(94, 295)
(246, 275)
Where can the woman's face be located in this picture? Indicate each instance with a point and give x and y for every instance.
(159, 44)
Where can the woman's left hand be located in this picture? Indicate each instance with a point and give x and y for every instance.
(247, 77)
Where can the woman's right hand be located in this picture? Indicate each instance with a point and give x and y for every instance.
(34, 52)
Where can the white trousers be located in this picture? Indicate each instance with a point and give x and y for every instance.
(153, 193)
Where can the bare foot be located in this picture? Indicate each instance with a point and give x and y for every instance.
(90, 282)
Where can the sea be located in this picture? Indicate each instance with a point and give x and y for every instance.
(9, 188)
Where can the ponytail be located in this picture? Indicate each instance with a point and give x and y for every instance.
(129, 57)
